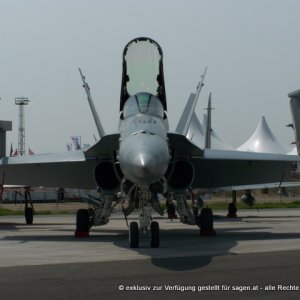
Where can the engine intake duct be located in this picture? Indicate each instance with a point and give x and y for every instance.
(182, 175)
(106, 176)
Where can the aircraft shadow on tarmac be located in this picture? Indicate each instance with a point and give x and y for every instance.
(180, 249)
(8, 225)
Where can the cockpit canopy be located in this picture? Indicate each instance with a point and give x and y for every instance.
(144, 103)
(142, 70)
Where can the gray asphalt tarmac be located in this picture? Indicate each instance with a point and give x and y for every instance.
(255, 256)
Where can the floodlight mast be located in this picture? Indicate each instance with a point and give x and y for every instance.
(21, 101)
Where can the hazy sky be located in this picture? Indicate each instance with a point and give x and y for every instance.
(251, 48)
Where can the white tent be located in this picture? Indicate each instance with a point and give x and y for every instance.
(263, 140)
(216, 141)
(196, 134)
(293, 152)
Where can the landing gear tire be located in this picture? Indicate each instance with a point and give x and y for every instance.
(133, 235)
(207, 222)
(232, 210)
(82, 223)
(154, 235)
(28, 215)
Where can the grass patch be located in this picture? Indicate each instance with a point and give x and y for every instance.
(10, 212)
(213, 205)
(224, 206)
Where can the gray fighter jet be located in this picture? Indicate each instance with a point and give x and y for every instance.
(144, 159)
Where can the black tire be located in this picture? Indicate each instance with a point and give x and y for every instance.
(28, 215)
(134, 235)
(82, 220)
(206, 219)
(155, 240)
(232, 208)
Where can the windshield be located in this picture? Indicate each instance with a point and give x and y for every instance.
(143, 103)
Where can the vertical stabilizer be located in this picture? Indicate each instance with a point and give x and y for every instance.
(186, 118)
(295, 110)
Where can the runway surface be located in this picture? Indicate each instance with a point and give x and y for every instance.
(255, 256)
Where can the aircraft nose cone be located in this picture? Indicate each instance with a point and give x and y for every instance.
(143, 165)
(144, 159)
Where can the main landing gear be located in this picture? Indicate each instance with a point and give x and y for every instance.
(206, 222)
(28, 210)
(82, 223)
(94, 216)
(232, 207)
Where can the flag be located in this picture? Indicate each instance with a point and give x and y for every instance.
(77, 142)
(30, 152)
(11, 150)
(69, 147)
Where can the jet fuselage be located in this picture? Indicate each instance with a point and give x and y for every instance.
(144, 152)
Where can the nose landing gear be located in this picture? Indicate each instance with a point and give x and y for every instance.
(146, 222)
(134, 235)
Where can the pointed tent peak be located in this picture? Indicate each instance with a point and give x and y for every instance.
(263, 128)
(263, 140)
(196, 132)
(263, 122)
(197, 124)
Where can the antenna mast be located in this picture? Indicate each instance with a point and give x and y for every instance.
(21, 101)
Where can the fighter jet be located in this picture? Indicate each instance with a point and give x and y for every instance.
(145, 159)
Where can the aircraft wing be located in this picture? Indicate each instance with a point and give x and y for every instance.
(73, 169)
(270, 185)
(223, 168)
(66, 169)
